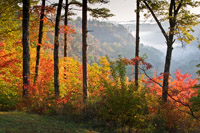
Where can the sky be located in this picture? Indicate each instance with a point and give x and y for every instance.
(124, 10)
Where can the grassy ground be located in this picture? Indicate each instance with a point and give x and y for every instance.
(18, 122)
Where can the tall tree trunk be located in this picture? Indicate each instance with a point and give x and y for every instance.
(84, 51)
(65, 35)
(39, 41)
(137, 41)
(166, 74)
(170, 42)
(25, 42)
(56, 49)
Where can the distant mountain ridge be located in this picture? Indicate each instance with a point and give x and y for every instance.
(112, 40)
(184, 57)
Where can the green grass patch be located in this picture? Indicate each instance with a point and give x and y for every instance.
(23, 122)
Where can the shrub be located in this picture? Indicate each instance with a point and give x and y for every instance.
(123, 105)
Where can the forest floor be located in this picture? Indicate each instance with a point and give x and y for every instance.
(19, 122)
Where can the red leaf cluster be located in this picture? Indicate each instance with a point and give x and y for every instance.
(138, 60)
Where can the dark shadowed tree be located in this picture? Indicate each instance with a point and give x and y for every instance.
(56, 50)
(66, 24)
(177, 13)
(65, 33)
(39, 40)
(137, 41)
(25, 42)
(84, 50)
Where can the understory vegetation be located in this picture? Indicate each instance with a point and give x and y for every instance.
(114, 102)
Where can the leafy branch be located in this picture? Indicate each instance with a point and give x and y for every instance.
(178, 101)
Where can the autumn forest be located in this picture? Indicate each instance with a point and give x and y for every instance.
(60, 72)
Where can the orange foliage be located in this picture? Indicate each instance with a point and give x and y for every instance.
(180, 88)
(66, 29)
(140, 60)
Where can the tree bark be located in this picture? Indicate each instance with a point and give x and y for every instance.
(25, 42)
(56, 49)
(84, 51)
(170, 42)
(65, 34)
(137, 41)
(39, 41)
(166, 74)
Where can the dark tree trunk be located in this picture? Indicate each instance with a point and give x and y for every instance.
(137, 42)
(84, 51)
(56, 49)
(65, 35)
(25, 42)
(170, 40)
(39, 41)
(167, 64)
(166, 74)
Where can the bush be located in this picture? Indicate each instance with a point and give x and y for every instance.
(123, 105)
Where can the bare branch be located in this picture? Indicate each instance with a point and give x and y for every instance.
(156, 19)
(150, 77)
(178, 8)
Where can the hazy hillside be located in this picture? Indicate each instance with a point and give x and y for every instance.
(111, 40)
(184, 57)
(187, 57)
